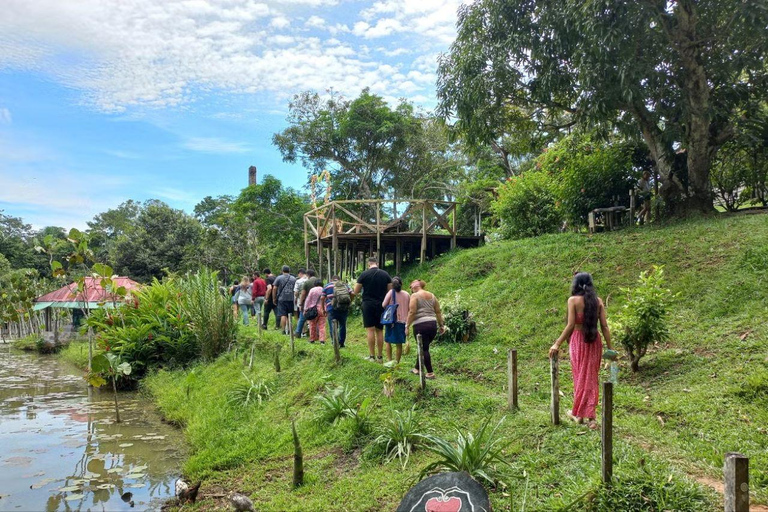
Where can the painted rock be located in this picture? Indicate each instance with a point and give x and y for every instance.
(446, 492)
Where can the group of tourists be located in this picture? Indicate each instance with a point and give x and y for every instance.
(390, 314)
(312, 305)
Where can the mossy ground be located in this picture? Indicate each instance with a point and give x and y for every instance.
(701, 395)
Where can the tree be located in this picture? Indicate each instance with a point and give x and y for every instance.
(106, 228)
(15, 242)
(371, 150)
(162, 239)
(677, 72)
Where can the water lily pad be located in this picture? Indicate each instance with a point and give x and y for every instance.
(73, 497)
(104, 486)
(138, 469)
(135, 486)
(115, 470)
(42, 483)
(135, 476)
(125, 445)
(71, 488)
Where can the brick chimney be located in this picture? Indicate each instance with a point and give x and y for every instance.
(252, 175)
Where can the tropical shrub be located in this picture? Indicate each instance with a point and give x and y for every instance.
(526, 206)
(248, 393)
(28, 343)
(588, 173)
(459, 321)
(400, 434)
(642, 321)
(476, 453)
(343, 402)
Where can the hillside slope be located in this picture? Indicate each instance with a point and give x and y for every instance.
(700, 396)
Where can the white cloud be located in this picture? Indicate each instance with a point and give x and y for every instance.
(215, 145)
(145, 53)
(5, 116)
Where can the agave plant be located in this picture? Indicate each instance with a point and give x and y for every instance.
(249, 392)
(476, 453)
(400, 434)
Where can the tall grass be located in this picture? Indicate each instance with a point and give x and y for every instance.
(210, 313)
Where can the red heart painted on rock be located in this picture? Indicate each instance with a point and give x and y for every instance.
(452, 504)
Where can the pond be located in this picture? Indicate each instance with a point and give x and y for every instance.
(61, 449)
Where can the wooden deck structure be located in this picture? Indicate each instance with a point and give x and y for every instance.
(346, 233)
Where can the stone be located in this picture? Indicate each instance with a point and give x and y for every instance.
(446, 492)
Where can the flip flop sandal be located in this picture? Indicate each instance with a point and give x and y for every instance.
(430, 376)
(573, 418)
(593, 425)
(415, 371)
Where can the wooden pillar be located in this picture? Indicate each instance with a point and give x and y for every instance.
(306, 242)
(607, 434)
(398, 255)
(378, 234)
(455, 231)
(423, 231)
(736, 482)
(512, 379)
(554, 373)
(319, 256)
(335, 242)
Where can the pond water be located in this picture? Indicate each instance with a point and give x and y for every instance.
(61, 449)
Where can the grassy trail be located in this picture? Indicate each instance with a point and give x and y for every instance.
(703, 394)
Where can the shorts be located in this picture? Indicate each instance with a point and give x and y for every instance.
(284, 307)
(395, 333)
(372, 311)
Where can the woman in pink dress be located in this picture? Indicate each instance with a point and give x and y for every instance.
(314, 299)
(585, 310)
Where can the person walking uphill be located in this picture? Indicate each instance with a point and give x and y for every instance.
(314, 312)
(245, 299)
(282, 292)
(425, 317)
(338, 299)
(585, 310)
(269, 305)
(258, 290)
(394, 334)
(375, 284)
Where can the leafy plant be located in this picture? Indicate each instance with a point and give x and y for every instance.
(459, 321)
(476, 453)
(335, 404)
(113, 367)
(400, 434)
(249, 393)
(643, 319)
(526, 206)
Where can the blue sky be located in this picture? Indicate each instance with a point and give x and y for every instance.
(107, 100)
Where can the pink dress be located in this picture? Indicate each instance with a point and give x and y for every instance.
(585, 366)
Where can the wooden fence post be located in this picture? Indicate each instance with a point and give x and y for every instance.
(335, 340)
(290, 328)
(607, 434)
(554, 373)
(736, 482)
(422, 370)
(512, 379)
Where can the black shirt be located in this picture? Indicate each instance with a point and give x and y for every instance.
(270, 280)
(375, 284)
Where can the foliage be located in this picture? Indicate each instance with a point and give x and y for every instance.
(400, 433)
(162, 239)
(371, 149)
(643, 492)
(729, 176)
(209, 312)
(108, 365)
(248, 393)
(677, 74)
(644, 318)
(337, 403)
(588, 174)
(18, 289)
(459, 321)
(29, 343)
(526, 206)
(477, 453)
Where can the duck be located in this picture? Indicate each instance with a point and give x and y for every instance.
(186, 492)
(241, 502)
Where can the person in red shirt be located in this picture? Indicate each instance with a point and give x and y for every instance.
(258, 291)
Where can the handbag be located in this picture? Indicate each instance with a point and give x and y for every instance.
(311, 313)
(389, 315)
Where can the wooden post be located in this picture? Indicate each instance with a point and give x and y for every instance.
(290, 328)
(423, 231)
(632, 207)
(398, 255)
(378, 235)
(320, 256)
(422, 370)
(607, 434)
(736, 482)
(512, 379)
(335, 340)
(554, 373)
(306, 242)
(455, 230)
(335, 242)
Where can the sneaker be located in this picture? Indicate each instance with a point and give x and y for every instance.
(380, 359)
(322, 342)
(372, 359)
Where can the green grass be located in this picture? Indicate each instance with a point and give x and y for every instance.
(76, 353)
(703, 394)
(28, 343)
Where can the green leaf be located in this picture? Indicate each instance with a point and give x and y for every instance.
(124, 368)
(103, 270)
(96, 380)
(100, 364)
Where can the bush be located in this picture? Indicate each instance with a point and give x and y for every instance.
(459, 321)
(476, 453)
(643, 320)
(588, 173)
(400, 434)
(526, 206)
(29, 343)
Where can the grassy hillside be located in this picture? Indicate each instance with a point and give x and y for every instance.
(703, 394)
